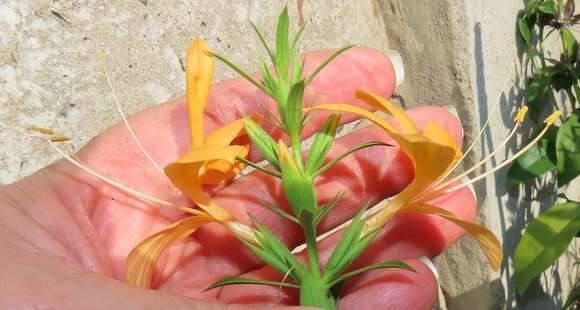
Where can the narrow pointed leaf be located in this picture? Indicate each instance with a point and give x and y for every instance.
(280, 212)
(282, 46)
(326, 208)
(326, 62)
(322, 144)
(264, 43)
(263, 142)
(385, 265)
(348, 152)
(240, 280)
(342, 255)
(293, 115)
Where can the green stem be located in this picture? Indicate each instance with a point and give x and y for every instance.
(310, 235)
(541, 46)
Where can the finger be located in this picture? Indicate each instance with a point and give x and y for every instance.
(392, 289)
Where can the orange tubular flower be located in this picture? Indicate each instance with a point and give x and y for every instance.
(434, 155)
(210, 161)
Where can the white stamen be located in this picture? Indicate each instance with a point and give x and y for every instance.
(480, 133)
(120, 186)
(101, 57)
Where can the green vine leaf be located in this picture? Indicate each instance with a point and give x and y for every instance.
(538, 89)
(569, 43)
(544, 240)
(568, 149)
(233, 281)
(524, 30)
(535, 162)
(547, 7)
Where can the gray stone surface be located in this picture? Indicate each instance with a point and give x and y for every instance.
(456, 53)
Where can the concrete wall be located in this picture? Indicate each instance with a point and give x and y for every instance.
(456, 53)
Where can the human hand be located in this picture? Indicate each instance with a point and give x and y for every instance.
(65, 235)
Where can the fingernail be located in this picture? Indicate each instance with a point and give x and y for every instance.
(398, 65)
(470, 186)
(425, 260)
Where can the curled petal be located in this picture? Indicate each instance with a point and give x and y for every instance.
(142, 260)
(439, 135)
(340, 107)
(219, 171)
(486, 240)
(186, 174)
(224, 136)
(390, 108)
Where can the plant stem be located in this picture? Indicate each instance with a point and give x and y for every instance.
(310, 235)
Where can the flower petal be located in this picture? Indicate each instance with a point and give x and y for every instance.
(340, 107)
(390, 108)
(224, 136)
(142, 260)
(486, 240)
(199, 66)
(219, 171)
(185, 173)
(439, 135)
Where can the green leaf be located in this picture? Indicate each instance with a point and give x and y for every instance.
(569, 43)
(524, 30)
(531, 7)
(328, 206)
(573, 300)
(240, 71)
(240, 280)
(264, 43)
(346, 250)
(298, 188)
(546, 7)
(326, 62)
(275, 253)
(391, 264)
(280, 212)
(322, 143)
(568, 149)
(348, 152)
(538, 89)
(536, 161)
(544, 240)
(292, 116)
(263, 142)
(282, 46)
(258, 167)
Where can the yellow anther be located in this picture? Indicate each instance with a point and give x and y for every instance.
(45, 131)
(521, 114)
(60, 139)
(552, 118)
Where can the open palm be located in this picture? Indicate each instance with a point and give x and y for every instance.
(65, 235)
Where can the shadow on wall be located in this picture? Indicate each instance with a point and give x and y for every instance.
(521, 204)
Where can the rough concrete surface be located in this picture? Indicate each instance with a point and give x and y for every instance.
(456, 52)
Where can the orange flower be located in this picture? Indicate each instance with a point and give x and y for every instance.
(211, 160)
(434, 155)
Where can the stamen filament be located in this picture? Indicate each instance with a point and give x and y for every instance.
(120, 186)
(101, 57)
(480, 133)
(548, 121)
(518, 119)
